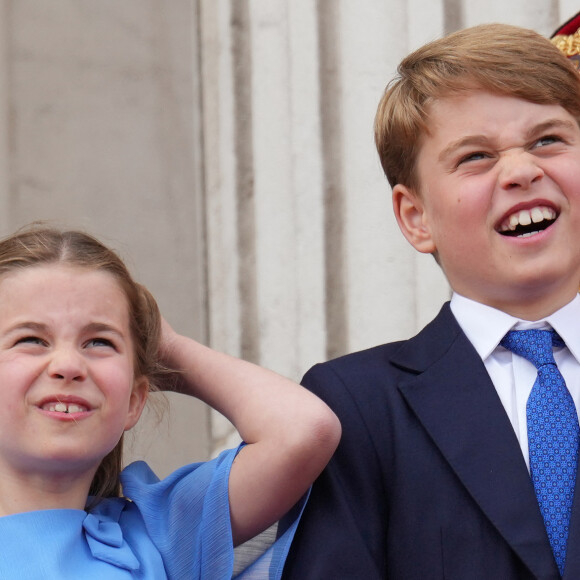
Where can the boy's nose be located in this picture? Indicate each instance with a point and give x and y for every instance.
(519, 170)
(67, 364)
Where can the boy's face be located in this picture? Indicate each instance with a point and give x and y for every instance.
(499, 201)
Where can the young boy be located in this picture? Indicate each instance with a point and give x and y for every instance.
(436, 475)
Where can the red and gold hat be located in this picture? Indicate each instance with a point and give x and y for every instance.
(567, 39)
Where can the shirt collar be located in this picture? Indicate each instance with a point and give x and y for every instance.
(566, 322)
(486, 326)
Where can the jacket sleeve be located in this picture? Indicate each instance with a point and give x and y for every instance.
(342, 533)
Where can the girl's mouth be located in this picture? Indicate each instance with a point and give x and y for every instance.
(64, 405)
(58, 407)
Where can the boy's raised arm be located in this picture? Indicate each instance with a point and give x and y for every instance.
(289, 432)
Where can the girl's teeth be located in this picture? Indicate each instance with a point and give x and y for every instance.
(64, 408)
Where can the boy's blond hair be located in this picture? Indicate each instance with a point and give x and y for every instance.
(499, 58)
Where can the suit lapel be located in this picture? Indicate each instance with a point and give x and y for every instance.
(454, 399)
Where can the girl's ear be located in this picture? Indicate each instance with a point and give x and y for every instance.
(137, 401)
(412, 219)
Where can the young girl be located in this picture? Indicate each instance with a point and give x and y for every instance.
(81, 345)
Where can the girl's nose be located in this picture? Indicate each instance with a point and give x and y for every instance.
(67, 364)
(519, 170)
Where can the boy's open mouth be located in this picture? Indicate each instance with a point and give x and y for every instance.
(527, 222)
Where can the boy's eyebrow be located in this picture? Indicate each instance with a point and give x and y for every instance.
(467, 141)
(480, 140)
(550, 124)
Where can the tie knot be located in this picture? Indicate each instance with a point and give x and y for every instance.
(534, 345)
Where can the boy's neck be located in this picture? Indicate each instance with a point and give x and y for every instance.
(530, 310)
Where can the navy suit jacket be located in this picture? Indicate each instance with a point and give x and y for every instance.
(428, 481)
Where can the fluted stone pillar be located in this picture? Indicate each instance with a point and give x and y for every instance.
(225, 147)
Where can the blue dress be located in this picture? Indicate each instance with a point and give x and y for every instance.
(176, 528)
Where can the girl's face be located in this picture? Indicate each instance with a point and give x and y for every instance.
(66, 370)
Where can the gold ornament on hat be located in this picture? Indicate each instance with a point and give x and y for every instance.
(567, 39)
(569, 44)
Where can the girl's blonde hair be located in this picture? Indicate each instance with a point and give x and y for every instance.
(38, 245)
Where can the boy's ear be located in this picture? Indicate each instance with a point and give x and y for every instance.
(137, 401)
(412, 219)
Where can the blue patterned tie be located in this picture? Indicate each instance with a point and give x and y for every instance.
(552, 434)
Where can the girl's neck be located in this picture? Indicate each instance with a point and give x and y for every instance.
(32, 492)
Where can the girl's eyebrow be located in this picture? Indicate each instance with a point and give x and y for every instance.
(41, 327)
(29, 325)
(104, 327)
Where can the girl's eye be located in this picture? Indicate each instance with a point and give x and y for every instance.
(100, 342)
(30, 340)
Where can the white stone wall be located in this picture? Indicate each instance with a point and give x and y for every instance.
(225, 147)
(305, 260)
(99, 130)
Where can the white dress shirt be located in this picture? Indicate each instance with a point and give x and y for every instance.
(513, 376)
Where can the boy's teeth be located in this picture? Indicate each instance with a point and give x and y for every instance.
(514, 221)
(537, 215)
(525, 217)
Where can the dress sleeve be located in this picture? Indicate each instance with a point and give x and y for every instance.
(187, 517)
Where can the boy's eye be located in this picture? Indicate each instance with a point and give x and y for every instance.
(474, 156)
(547, 140)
